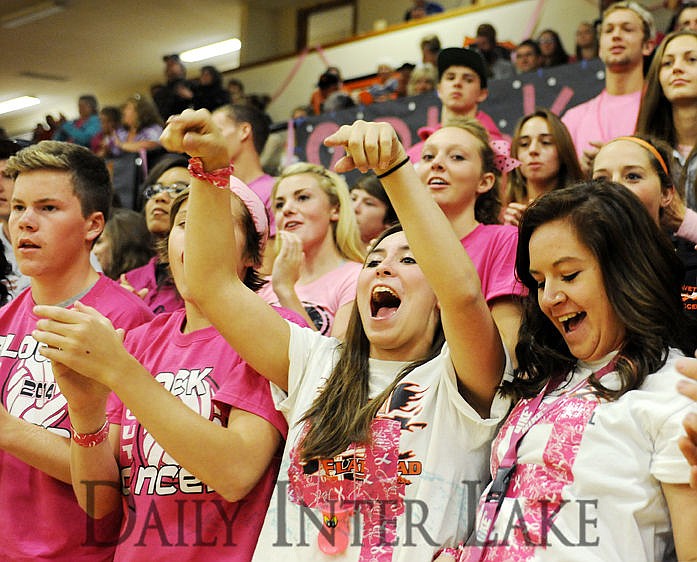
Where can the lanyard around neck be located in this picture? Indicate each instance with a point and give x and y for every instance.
(532, 412)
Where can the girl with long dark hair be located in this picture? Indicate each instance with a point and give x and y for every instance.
(374, 420)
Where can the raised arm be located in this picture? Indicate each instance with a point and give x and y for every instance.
(474, 341)
(250, 326)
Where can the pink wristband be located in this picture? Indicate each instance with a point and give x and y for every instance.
(91, 439)
(223, 178)
(454, 552)
(219, 178)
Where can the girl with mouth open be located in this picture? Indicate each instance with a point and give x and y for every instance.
(587, 466)
(374, 421)
(461, 170)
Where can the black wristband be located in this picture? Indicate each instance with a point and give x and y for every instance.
(393, 168)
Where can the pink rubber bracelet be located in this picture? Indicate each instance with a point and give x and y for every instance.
(91, 439)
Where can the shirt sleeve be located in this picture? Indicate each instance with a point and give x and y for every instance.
(481, 429)
(500, 276)
(247, 390)
(668, 464)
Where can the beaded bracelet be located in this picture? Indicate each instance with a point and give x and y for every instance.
(393, 168)
(91, 439)
(219, 178)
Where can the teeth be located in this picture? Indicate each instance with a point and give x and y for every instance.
(566, 317)
(377, 290)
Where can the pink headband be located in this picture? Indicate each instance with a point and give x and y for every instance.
(254, 205)
(502, 156)
(648, 146)
(223, 178)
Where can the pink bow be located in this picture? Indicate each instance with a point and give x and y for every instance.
(502, 156)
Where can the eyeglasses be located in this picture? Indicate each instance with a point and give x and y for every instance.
(172, 190)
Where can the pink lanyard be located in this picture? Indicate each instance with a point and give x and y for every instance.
(531, 414)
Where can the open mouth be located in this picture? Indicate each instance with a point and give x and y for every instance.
(571, 321)
(384, 302)
(436, 182)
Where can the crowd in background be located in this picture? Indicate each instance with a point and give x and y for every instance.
(329, 358)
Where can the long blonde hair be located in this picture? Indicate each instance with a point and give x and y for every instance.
(347, 238)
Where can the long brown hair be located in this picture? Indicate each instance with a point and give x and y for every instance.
(642, 276)
(569, 168)
(343, 411)
(656, 112)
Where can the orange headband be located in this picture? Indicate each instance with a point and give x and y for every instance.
(648, 146)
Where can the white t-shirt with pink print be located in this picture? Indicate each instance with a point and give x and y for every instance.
(587, 486)
(412, 489)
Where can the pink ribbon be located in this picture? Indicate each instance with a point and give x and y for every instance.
(502, 156)
(534, 19)
(291, 75)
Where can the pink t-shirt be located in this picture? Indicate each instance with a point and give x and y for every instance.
(602, 119)
(414, 151)
(169, 513)
(263, 186)
(492, 249)
(324, 296)
(43, 521)
(164, 298)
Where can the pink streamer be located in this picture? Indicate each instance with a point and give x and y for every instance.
(528, 99)
(291, 75)
(534, 19)
(322, 55)
(562, 100)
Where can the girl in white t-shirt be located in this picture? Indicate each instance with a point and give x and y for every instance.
(389, 430)
(587, 466)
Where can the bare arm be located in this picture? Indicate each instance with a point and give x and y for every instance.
(507, 314)
(210, 265)
(475, 345)
(230, 459)
(682, 505)
(688, 442)
(35, 445)
(137, 146)
(341, 320)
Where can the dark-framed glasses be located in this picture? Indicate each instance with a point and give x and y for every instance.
(172, 190)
